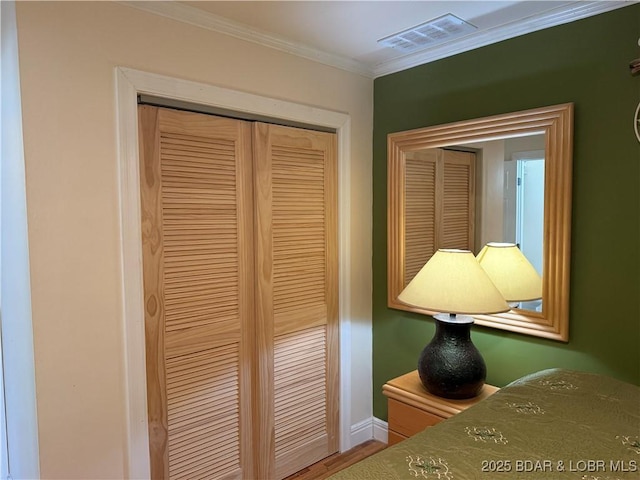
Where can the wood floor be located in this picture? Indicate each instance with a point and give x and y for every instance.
(338, 461)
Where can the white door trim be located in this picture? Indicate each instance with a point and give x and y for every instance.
(129, 84)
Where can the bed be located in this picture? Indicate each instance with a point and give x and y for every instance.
(553, 424)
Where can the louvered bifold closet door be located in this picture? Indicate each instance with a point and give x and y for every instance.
(439, 209)
(297, 296)
(196, 188)
(458, 200)
(420, 210)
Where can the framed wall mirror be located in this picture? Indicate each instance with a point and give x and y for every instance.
(504, 178)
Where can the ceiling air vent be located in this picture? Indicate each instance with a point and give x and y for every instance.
(438, 30)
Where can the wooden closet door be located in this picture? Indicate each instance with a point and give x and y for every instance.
(196, 188)
(297, 297)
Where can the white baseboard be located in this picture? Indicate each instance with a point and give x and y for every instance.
(380, 430)
(361, 432)
(371, 428)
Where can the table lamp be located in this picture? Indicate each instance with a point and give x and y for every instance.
(453, 282)
(511, 272)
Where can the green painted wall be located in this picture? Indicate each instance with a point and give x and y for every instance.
(584, 62)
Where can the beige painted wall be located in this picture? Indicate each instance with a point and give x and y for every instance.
(68, 52)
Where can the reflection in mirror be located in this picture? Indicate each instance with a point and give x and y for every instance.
(499, 179)
(510, 196)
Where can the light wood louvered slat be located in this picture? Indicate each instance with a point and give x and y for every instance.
(458, 201)
(300, 379)
(297, 295)
(420, 211)
(229, 395)
(440, 205)
(198, 280)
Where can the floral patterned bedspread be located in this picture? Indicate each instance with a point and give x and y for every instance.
(554, 424)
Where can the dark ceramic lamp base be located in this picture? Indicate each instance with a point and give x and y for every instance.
(451, 366)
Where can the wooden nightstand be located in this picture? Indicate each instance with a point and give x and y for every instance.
(412, 408)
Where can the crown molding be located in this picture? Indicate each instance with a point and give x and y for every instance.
(199, 18)
(561, 15)
(566, 14)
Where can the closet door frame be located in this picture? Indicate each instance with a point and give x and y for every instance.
(131, 83)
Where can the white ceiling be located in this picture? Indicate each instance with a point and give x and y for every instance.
(345, 34)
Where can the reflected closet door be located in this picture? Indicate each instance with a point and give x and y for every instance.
(439, 205)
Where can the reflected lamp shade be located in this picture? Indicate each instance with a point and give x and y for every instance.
(453, 282)
(511, 272)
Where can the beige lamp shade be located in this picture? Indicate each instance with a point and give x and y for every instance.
(452, 281)
(511, 272)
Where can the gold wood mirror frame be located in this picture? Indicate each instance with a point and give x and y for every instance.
(556, 123)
